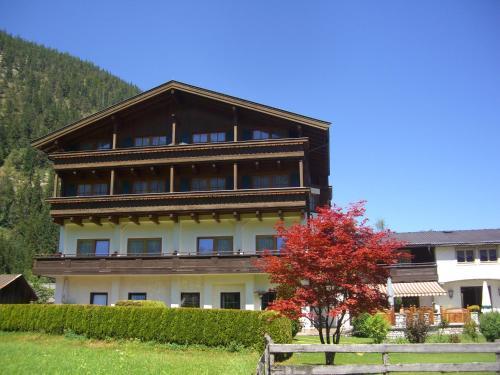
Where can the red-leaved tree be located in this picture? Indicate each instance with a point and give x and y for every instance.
(332, 264)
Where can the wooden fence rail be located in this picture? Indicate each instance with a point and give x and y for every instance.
(267, 366)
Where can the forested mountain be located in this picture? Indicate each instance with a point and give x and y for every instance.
(40, 90)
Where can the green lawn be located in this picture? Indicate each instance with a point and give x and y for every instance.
(32, 353)
(25, 353)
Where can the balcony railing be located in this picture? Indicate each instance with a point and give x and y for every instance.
(413, 272)
(224, 201)
(179, 154)
(146, 264)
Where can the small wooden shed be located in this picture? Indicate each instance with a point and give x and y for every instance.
(15, 289)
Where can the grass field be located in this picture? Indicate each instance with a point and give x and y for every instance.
(26, 353)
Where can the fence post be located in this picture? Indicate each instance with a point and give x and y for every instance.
(498, 356)
(268, 357)
(385, 359)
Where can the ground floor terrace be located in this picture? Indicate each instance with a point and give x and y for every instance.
(242, 291)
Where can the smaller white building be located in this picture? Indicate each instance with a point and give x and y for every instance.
(464, 259)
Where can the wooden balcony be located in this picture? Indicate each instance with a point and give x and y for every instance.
(181, 154)
(181, 203)
(413, 272)
(57, 265)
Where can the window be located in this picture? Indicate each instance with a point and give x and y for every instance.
(274, 181)
(260, 134)
(137, 296)
(103, 145)
(156, 186)
(190, 299)
(267, 299)
(100, 299)
(268, 243)
(488, 255)
(156, 140)
(211, 245)
(84, 189)
(100, 189)
(265, 134)
(139, 187)
(465, 256)
(211, 183)
(230, 301)
(92, 247)
(209, 137)
(159, 140)
(140, 246)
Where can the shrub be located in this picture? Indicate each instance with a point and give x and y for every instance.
(359, 325)
(140, 303)
(470, 329)
(377, 328)
(227, 328)
(416, 329)
(474, 308)
(454, 338)
(489, 324)
(296, 327)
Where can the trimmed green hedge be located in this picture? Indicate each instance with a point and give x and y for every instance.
(209, 327)
(140, 303)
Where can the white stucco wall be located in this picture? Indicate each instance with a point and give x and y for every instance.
(450, 270)
(181, 236)
(164, 288)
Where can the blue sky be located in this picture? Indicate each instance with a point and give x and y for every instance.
(412, 88)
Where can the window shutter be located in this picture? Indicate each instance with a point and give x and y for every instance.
(246, 134)
(246, 182)
(229, 136)
(126, 187)
(229, 182)
(70, 190)
(184, 184)
(185, 137)
(294, 179)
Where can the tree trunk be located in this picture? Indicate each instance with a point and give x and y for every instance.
(329, 358)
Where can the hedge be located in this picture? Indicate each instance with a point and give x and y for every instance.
(140, 303)
(211, 327)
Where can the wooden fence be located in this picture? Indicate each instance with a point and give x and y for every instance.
(267, 366)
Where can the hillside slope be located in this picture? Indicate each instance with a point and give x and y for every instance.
(40, 90)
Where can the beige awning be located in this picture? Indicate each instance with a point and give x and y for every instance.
(429, 288)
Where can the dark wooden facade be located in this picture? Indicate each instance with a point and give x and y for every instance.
(15, 289)
(173, 136)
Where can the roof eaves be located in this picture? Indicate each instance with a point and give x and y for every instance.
(183, 87)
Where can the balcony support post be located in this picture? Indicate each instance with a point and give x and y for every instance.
(301, 172)
(235, 176)
(235, 124)
(56, 185)
(112, 183)
(113, 145)
(171, 178)
(174, 128)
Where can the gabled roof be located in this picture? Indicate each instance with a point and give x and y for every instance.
(174, 85)
(7, 279)
(451, 237)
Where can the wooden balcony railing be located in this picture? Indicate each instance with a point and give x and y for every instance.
(181, 203)
(146, 264)
(414, 272)
(179, 154)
